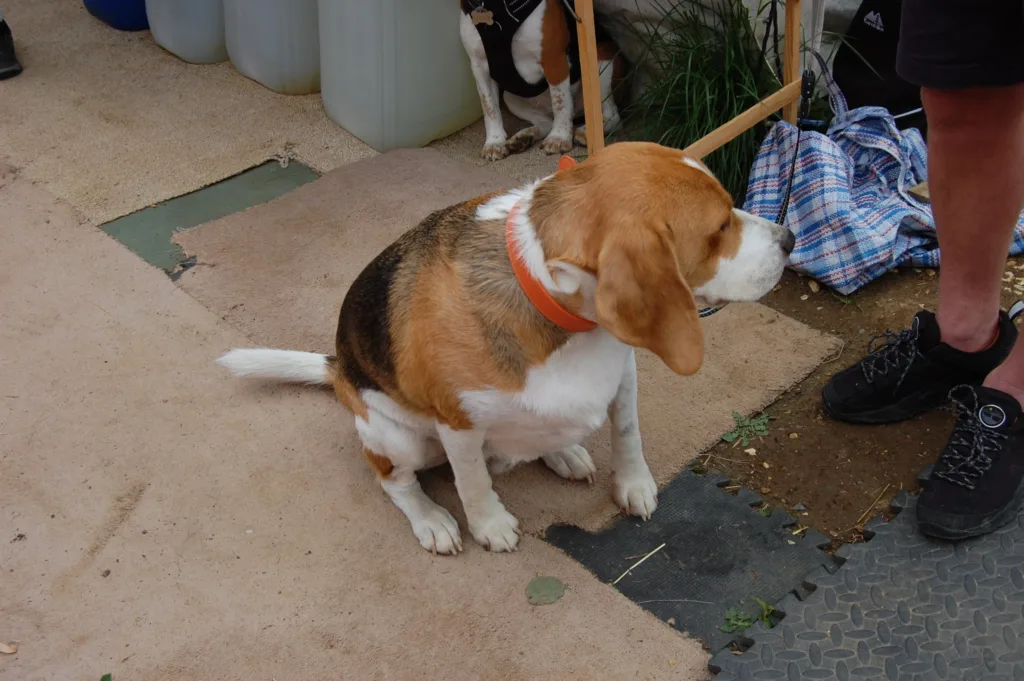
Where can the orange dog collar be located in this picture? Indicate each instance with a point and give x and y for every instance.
(535, 291)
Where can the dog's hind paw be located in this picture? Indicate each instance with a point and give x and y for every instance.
(580, 136)
(523, 140)
(572, 463)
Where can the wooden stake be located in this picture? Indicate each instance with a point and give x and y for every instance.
(787, 98)
(590, 75)
(745, 121)
(791, 56)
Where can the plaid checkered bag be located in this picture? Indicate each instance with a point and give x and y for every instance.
(849, 206)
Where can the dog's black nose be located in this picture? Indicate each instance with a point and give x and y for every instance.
(788, 242)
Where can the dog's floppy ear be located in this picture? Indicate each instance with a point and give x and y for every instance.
(643, 300)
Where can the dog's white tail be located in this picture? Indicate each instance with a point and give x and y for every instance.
(283, 365)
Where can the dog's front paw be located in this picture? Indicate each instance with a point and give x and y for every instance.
(572, 463)
(496, 530)
(438, 532)
(495, 151)
(636, 493)
(556, 144)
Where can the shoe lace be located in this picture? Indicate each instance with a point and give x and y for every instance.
(896, 353)
(972, 448)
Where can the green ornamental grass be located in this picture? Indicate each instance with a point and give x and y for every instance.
(707, 68)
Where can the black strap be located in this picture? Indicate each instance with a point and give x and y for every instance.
(506, 16)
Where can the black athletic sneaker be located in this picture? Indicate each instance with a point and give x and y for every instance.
(912, 372)
(977, 485)
(9, 66)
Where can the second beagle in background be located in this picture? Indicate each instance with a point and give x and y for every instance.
(501, 330)
(529, 49)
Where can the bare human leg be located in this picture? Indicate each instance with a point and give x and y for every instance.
(976, 179)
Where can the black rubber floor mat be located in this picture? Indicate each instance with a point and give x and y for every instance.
(718, 553)
(901, 607)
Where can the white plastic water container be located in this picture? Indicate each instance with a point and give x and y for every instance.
(276, 43)
(190, 29)
(394, 72)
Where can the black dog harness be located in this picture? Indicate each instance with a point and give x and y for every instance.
(497, 22)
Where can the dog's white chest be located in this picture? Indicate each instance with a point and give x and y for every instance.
(564, 400)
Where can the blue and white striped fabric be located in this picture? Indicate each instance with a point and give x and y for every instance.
(849, 206)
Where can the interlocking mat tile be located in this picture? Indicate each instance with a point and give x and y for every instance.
(901, 607)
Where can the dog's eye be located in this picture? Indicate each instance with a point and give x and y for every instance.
(724, 227)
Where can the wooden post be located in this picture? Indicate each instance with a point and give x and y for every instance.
(590, 75)
(791, 56)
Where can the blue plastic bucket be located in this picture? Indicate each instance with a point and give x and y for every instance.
(124, 15)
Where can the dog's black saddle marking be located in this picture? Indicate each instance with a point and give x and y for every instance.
(506, 18)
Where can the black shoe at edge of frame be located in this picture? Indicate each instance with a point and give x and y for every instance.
(977, 484)
(9, 64)
(912, 372)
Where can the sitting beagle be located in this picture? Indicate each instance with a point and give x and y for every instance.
(501, 330)
(529, 49)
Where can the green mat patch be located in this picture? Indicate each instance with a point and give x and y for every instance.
(148, 232)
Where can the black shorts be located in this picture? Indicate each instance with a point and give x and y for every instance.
(953, 44)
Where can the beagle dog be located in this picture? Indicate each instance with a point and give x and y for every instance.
(529, 50)
(502, 329)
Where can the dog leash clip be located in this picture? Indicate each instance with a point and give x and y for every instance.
(806, 92)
